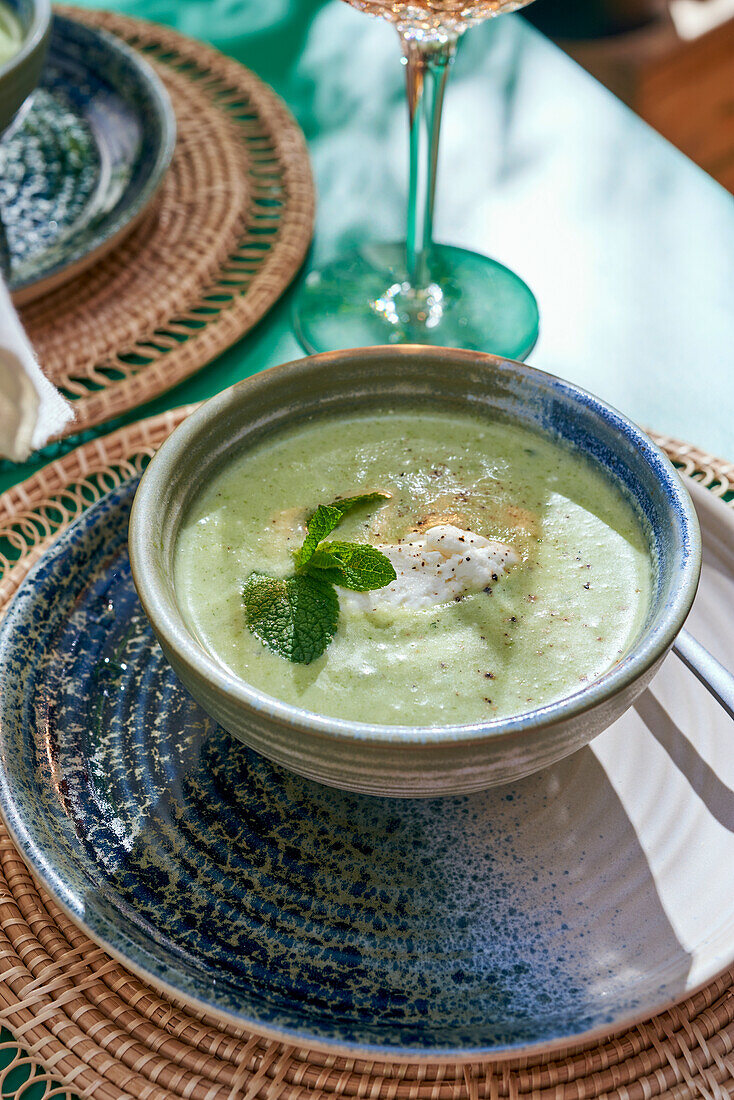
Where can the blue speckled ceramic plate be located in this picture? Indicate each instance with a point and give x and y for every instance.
(577, 901)
(84, 161)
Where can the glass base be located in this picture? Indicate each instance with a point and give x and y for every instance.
(365, 299)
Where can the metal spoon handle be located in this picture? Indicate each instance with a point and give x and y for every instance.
(717, 679)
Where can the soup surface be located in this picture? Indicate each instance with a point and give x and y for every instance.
(11, 33)
(575, 592)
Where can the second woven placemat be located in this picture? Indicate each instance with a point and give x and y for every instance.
(224, 237)
(86, 1022)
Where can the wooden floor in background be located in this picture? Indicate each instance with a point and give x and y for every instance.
(688, 96)
(684, 89)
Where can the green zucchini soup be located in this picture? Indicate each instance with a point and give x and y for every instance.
(508, 570)
(11, 33)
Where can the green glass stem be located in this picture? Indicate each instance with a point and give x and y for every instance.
(416, 291)
(426, 69)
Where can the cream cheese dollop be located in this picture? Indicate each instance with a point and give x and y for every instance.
(444, 564)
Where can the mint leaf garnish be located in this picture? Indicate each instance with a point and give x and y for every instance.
(345, 504)
(319, 525)
(296, 617)
(353, 565)
(328, 516)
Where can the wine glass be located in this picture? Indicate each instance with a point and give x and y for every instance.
(420, 292)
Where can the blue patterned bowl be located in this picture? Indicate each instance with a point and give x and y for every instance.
(20, 74)
(411, 761)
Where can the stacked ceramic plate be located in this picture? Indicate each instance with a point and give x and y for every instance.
(82, 164)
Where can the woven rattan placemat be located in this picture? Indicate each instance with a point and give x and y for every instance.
(224, 237)
(88, 1024)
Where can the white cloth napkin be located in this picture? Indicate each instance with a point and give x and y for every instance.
(31, 408)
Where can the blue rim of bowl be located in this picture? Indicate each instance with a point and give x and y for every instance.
(113, 228)
(35, 35)
(644, 653)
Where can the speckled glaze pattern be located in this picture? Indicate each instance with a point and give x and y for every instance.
(85, 159)
(475, 924)
(411, 761)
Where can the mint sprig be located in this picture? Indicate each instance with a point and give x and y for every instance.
(297, 616)
(353, 565)
(345, 504)
(321, 524)
(327, 517)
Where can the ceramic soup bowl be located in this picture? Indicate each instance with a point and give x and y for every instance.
(21, 72)
(411, 761)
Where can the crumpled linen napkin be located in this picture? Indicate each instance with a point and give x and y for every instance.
(31, 409)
